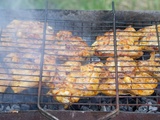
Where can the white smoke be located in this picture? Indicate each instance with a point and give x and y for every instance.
(22, 4)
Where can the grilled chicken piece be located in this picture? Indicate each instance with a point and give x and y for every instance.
(156, 74)
(62, 71)
(143, 84)
(22, 40)
(69, 47)
(25, 70)
(129, 34)
(149, 38)
(70, 66)
(108, 87)
(126, 66)
(82, 82)
(25, 36)
(149, 42)
(131, 79)
(60, 87)
(64, 92)
(151, 66)
(5, 78)
(87, 80)
(126, 41)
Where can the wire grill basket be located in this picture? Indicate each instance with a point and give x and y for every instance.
(79, 65)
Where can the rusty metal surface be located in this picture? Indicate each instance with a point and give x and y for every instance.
(36, 115)
(137, 116)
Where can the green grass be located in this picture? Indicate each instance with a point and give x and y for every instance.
(83, 4)
(106, 4)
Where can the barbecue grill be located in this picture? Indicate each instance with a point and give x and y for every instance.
(88, 25)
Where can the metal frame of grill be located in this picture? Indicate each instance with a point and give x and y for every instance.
(50, 116)
(91, 25)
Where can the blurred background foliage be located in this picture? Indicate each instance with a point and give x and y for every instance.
(82, 4)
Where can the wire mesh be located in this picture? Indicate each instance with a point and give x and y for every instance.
(75, 62)
(145, 57)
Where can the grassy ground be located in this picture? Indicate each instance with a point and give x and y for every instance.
(83, 4)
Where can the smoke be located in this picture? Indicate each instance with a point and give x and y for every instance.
(22, 4)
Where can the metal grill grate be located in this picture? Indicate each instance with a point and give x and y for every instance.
(16, 54)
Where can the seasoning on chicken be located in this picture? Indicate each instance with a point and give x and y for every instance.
(126, 41)
(87, 80)
(149, 38)
(62, 71)
(68, 67)
(143, 84)
(151, 66)
(69, 47)
(130, 78)
(82, 82)
(64, 91)
(25, 36)
(108, 86)
(25, 70)
(60, 88)
(126, 66)
(22, 42)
